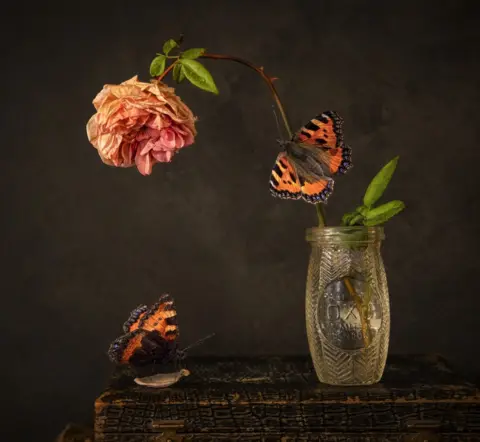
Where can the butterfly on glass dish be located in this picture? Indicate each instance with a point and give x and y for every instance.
(149, 344)
(309, 160)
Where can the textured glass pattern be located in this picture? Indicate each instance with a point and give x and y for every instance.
(347, 305)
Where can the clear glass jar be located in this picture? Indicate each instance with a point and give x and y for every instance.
(347, 305)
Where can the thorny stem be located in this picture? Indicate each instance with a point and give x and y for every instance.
(166, 71)
(268, 80)
(259, 70)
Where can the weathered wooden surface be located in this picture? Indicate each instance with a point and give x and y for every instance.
(281, 399)
(283, 437)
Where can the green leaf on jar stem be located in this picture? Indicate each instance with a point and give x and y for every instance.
(362, 210)
(383, 213)
(347, 217)
(356, 220)
(379, 183)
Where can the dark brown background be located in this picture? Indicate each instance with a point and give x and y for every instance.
(85, 243)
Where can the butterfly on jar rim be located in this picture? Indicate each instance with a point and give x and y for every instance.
(305, 167)
(149, 345)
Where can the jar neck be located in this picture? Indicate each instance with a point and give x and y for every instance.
(359, 236)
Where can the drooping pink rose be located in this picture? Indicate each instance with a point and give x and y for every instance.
(139, 124)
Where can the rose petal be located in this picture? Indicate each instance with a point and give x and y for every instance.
(163, 156)
(144, 164)
(167, 138)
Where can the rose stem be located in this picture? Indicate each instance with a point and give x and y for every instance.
(166, 71)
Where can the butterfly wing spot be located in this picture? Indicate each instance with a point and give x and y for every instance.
(304, 134)
(311, 126)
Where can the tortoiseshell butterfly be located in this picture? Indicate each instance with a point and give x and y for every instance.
(309, 160)
(149, 344)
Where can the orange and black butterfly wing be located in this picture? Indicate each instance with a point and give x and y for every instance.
(123, 348)
(325, 132)
(133, 320)
(318, 191)
(142, 348)
(286, 182)
(162, 317)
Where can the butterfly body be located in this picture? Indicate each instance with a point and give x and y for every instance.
(304, 159)
(305, 167)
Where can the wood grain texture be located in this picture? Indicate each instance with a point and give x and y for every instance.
(275, 398)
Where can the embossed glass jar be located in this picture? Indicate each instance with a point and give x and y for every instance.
(347, 305)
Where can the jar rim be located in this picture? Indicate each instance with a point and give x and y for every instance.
(345, 234)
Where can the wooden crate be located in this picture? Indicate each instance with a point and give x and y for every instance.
(280, 399)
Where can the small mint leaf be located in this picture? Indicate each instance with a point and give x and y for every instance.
(193, 53)
(383, 213)
(362, 210)
(379, 183)
(168, 46)
(198, 75)
(158, 65)
(355, 220)
(347, 218)
(178, 74)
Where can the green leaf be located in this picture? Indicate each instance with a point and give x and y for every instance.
(347, 217)
(178, 74)
(383, 213)
(362, 210)
(168, 46)
(356, 220)
(379, 183)
(198, 75)
(193, 53)
(158, 65)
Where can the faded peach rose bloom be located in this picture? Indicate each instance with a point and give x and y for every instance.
(139, 124)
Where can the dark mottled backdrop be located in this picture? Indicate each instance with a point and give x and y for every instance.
(84, 243)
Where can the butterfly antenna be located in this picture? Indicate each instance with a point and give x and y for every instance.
(200, 341)
(278, 124)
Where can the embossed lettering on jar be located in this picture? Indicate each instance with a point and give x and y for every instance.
(347, 305)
